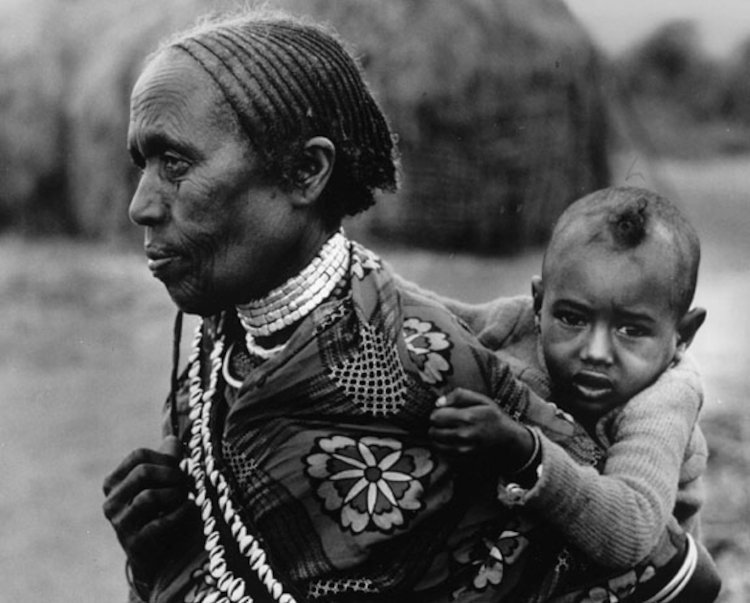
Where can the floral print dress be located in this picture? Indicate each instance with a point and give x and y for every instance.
(326, 451)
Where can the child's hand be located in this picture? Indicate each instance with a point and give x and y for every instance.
(465, 422)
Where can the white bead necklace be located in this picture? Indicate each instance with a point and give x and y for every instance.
(296, 298)
(201, 466)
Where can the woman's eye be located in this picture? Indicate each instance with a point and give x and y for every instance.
(174, 166)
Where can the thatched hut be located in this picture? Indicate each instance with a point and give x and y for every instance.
(494, 101)
(500, 114)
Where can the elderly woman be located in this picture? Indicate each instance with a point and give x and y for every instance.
(297, 463)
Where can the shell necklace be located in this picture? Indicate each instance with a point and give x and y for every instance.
(216, 508)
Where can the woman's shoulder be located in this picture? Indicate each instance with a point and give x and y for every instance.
(496, 323)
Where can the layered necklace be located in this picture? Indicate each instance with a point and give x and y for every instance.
(296, 298)
(282, 308)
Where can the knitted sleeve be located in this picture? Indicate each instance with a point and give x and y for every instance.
(691, 489)
(616, 517)
(497, 323)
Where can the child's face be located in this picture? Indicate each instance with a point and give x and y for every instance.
(608, 325)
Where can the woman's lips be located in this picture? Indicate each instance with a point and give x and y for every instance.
(156, 264)
(158, 260)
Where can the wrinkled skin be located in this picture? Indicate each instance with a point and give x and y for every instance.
(146, 503)
(216, 234)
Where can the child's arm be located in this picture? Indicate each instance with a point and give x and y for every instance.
(497, 324)
(691, 489)
(467, 423)
(617, 516)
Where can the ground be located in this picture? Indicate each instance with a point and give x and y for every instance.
(86, 342)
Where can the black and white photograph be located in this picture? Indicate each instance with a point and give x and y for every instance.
(345, 301)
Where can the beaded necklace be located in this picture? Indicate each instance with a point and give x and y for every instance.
(201, 465)
(296, 298)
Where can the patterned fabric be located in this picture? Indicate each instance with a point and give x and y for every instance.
(326, 449)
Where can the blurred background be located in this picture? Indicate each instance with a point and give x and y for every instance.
(506, 110)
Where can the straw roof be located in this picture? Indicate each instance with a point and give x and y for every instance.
(495, 103)
(500, 114)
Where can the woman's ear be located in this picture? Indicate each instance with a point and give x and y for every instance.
(687, 327)
(314, 170)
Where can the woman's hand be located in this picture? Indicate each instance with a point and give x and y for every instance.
(147, 505)
(466, 423)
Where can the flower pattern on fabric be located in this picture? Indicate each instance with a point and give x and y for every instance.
(618, 588)
(369, 483)
(490, 557)
(429, 348)
(364, 261)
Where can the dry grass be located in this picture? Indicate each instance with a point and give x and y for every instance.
(86, 340)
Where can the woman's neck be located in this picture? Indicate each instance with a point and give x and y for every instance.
(270, 319)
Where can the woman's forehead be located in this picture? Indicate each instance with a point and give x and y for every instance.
(174, 93)
(170, 77)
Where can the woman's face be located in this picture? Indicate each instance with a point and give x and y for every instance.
(216, 234)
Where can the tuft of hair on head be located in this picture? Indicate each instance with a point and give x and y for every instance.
(628, 224)
(623, 218)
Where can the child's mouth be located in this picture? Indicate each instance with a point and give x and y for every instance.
(592, 385)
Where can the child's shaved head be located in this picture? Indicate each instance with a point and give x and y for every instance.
(624, 218)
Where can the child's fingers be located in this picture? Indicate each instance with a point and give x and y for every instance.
(446, 437)
(440, 435)
(450, 441)
(461, 398)
(453, 450)
(448, 417)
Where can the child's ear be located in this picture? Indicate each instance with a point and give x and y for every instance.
(537, 293)
(687, 328)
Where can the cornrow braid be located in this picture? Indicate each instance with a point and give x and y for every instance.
(288, 81)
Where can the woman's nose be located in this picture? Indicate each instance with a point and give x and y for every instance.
(597, 348)
(148, 206)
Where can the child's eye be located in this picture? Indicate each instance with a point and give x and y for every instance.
(632, 330)
(571, 319)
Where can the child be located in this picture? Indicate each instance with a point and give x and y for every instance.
(613, 313)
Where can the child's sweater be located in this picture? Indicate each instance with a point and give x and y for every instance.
(655, 456)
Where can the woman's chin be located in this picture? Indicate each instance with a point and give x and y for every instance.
(191, 302)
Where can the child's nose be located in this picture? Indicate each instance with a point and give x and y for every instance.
(598, 346)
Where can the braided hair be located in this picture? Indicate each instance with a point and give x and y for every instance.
(287, 81)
